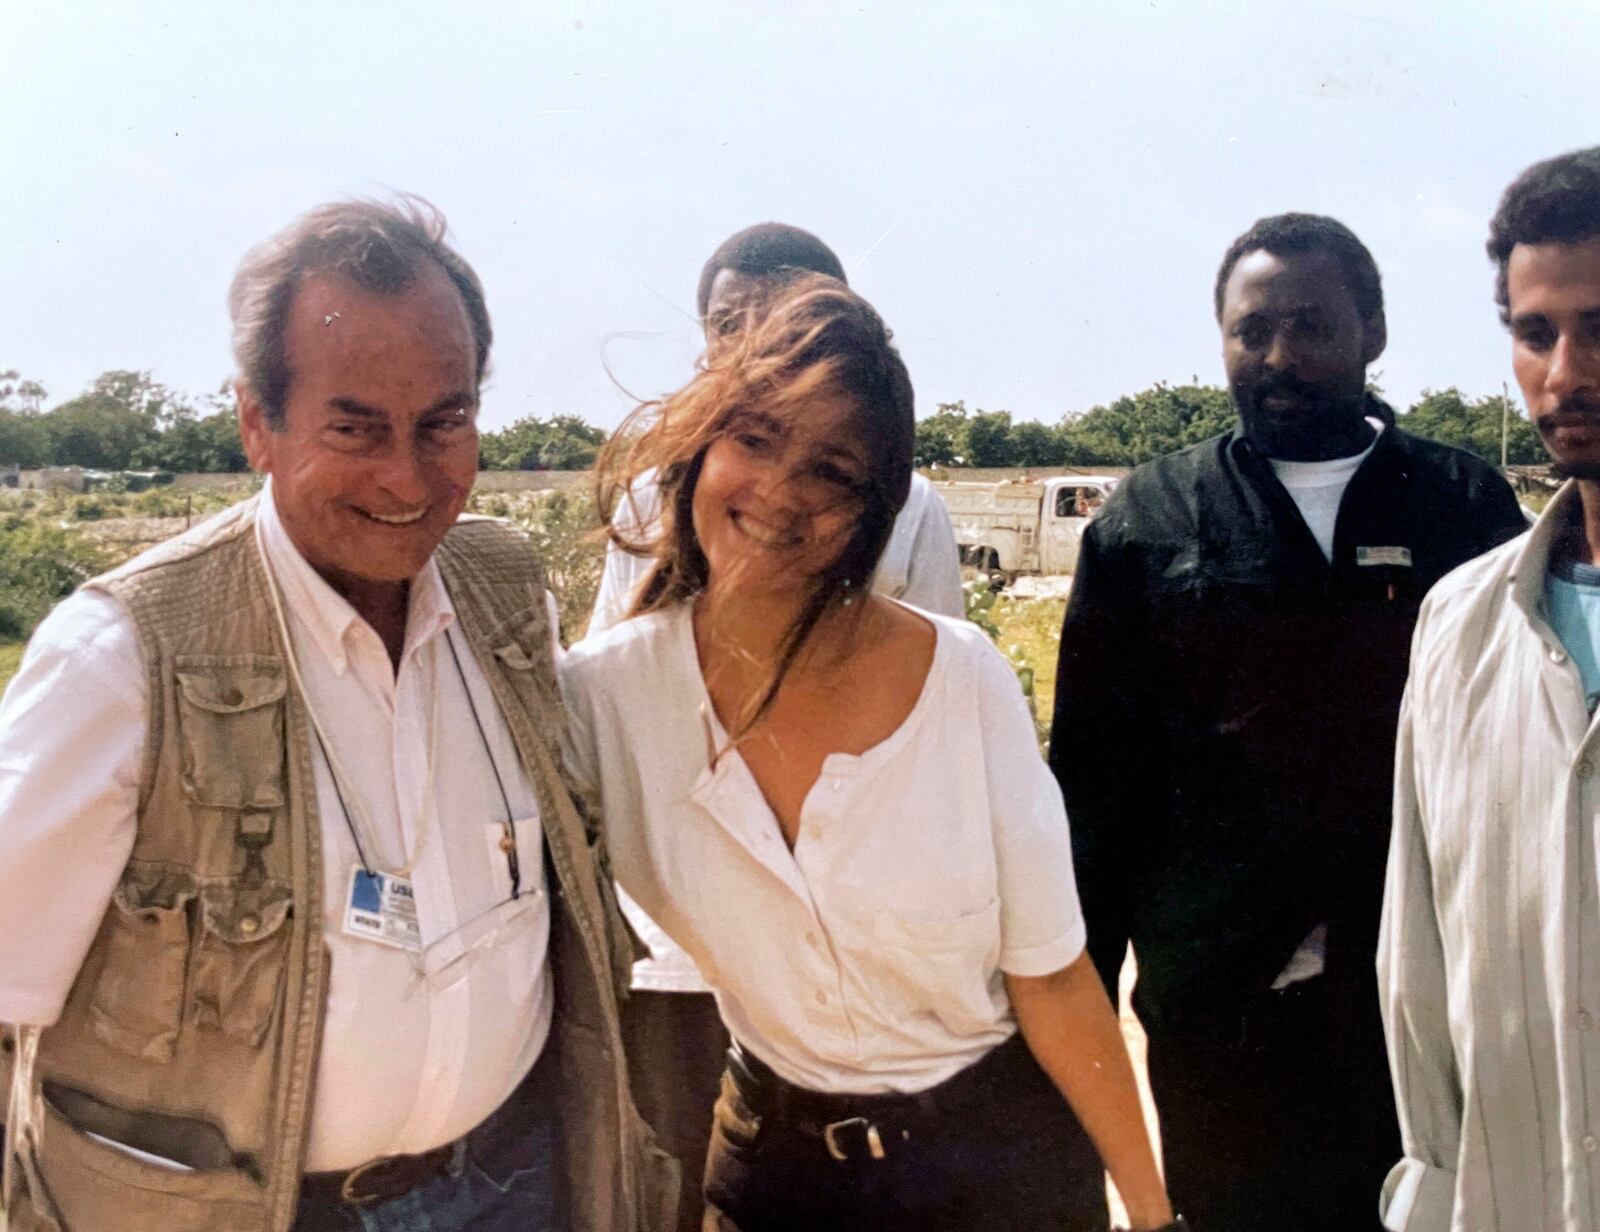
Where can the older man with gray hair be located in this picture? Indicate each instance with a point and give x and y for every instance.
(299, 925)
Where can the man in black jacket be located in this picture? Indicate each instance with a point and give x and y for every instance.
(1226, 701)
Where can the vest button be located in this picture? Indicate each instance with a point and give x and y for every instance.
(249, 924)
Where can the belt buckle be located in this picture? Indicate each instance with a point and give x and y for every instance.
(830, 1139)
(347, 1187)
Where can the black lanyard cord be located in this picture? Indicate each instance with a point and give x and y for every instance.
(513, 860)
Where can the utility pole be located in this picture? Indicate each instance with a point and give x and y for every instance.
(1505, 422)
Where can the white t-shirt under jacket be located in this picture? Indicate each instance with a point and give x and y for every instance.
(408, 1063)
(869, 959)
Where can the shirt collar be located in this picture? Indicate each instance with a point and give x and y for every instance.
(323, 613)
(1533, 560)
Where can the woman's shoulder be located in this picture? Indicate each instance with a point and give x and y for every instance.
(638, 644)
(970, 661)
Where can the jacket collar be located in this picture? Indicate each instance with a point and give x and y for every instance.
(1390, 441)
(1533, 558)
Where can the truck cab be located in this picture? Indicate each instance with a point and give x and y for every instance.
(1014, 526)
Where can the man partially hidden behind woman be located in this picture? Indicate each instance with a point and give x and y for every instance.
(835, 803)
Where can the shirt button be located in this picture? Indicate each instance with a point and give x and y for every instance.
(1557, 655)
(835, 784)
(249, 924)
(811, 939)
(1585, 768)
(1585, 1020)
(822, 997)
(1590, 1143)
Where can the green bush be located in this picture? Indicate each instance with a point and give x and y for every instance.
(92, 508)
(563, 529)
(40, 564)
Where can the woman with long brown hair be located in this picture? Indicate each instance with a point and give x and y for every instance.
(835, 803)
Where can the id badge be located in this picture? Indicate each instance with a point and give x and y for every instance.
(383, 908)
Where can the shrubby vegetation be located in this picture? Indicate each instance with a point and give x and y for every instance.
(129, 421)
(41, 562)
(1166, 418)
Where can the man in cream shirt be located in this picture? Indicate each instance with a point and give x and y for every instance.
(275, 800)
(1489, 960)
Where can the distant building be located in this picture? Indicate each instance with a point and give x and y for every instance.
(59, 478)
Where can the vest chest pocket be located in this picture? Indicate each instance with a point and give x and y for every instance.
(138, 997)
(239, 957)
(230, 721)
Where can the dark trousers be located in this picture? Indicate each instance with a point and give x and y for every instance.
(990, 1151)
(1293, 1124)
(676, 1044)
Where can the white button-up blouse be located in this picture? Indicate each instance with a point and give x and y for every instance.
(869, 959)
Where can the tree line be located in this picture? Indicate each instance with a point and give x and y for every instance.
(1167, 418)
(126, 420)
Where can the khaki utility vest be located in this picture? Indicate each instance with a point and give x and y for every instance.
(194, 1026)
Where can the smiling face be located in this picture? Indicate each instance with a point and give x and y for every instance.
(1553, 307)
(777, 499)
(1296, 350)
(378, 445)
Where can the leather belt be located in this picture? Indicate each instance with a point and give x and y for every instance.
(867, 1126)
(379, 1180)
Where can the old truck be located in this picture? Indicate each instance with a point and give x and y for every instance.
(1023, 526)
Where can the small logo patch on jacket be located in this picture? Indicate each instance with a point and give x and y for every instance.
(1384, 556)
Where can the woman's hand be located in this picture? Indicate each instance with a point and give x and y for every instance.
(1072, 1031)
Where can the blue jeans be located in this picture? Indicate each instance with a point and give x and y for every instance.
(503, 1179)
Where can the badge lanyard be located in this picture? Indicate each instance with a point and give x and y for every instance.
(345, 789)
(508, 842)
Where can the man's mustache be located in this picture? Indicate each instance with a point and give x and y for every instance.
(1283, 386)
(1578, 408)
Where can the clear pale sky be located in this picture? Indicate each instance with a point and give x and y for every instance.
(1035, 196)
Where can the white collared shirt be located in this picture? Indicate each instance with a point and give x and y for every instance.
(406, 1064)
(869, 959)
(1489, 956)
(920, 565)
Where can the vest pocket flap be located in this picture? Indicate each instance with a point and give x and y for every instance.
(244, 917)
(138, 996)
(230, 720)
(232, 688)
(239, 960)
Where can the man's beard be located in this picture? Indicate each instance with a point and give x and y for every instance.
(1584, 406)
(1320, 415)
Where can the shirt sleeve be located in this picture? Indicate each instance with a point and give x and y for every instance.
(1419, 1195)
(623, 572)
(1105, 741)
(1041, 924)
(73, 725)
(933, 574)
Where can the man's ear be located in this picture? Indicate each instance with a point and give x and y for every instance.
(1374, 337)
(253, 429)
